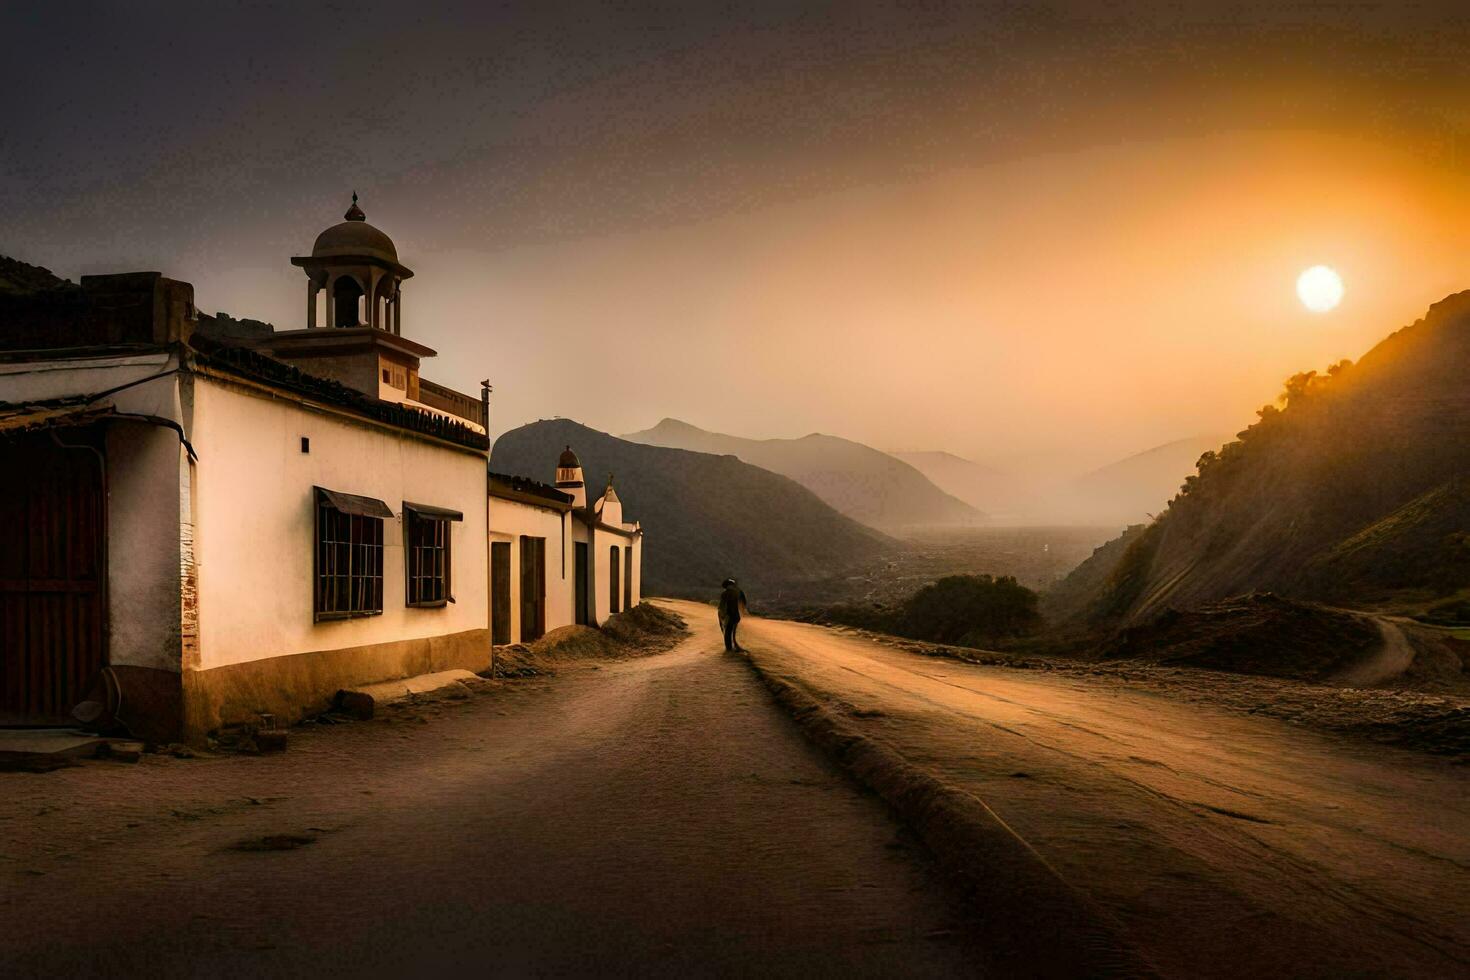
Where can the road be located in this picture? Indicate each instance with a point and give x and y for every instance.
(1226, 844)
(654, 817)
(1388, 661)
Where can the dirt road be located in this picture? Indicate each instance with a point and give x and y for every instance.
(1228, 845)
(655, 816)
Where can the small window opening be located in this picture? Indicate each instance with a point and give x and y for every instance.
(305, 444)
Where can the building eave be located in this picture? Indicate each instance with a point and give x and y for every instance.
(252, 369)
(593, 521)
(339, 340)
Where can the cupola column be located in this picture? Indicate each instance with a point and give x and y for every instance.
(311, 288)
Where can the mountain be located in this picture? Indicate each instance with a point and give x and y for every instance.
(857, 480)
(1139, 486)
(705, 517)
(1123, 492)
(17, 277)
(1355, 490)
(986, 488)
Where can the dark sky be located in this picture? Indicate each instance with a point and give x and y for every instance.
(212, 140)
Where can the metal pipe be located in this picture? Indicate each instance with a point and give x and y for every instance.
(485, 390)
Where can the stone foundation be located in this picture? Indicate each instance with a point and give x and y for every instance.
(295, 686)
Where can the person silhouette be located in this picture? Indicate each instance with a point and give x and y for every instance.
(732, 604)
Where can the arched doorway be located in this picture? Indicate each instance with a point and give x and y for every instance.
(346, 298)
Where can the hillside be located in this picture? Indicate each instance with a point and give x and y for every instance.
(859, 481)
(1352, 489)
(704, 516)
(19, 280)
(17, 277)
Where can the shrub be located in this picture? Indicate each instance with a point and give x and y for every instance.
(969, 609)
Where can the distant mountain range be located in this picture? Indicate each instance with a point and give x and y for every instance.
(986, 488)
(705, 516)
(1138, 487)
(873, 487)
(1121, 493)
(1356, 491)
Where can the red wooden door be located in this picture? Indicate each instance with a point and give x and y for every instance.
(53, 606)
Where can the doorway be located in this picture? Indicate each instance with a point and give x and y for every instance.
(500, 592)
(614, 566)
(53, 570)
(580, 571)
(533, 588)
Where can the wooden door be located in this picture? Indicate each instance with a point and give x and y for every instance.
(53, 608)
(614, 566)
(581, 583)
(500, 592)
(533, 588)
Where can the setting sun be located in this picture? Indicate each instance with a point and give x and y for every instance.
(1319, 288)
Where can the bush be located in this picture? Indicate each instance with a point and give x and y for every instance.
(969, 609)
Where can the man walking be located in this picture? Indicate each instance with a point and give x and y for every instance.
(732, 603)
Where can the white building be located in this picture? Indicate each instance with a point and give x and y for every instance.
(194, 533)
(556, 562)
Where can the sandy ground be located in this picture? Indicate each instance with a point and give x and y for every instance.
(655, 816)
(1227, 844)
(1433, 721)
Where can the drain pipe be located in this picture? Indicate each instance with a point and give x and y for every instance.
(485, 390)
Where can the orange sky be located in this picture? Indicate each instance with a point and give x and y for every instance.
(1094, 303)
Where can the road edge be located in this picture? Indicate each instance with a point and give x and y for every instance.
(1035, 922)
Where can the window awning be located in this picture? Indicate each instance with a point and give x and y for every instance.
(433, 513)
(351, 503)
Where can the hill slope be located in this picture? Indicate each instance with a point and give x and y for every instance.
(1354, 490)
(705, 517)
(19, 279)
(859, 481)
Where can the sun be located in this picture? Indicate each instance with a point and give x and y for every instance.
(1319, 288)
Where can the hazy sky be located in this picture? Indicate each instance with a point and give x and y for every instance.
(994, 229)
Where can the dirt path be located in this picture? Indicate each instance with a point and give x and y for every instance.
(1228, 845)
(1389, 661)
(656, 816)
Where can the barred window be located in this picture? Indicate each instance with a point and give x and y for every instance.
(426, 540)
(428, 560)
(349, 555)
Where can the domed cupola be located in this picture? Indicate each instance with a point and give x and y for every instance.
(357, 265)
(569, 477)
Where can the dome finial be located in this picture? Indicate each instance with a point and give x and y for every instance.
(355, 213)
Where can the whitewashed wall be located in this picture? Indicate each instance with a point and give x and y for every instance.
(510, 520)
(254, 538)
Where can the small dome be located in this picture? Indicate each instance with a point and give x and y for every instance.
(354, 236)
(568, 460)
